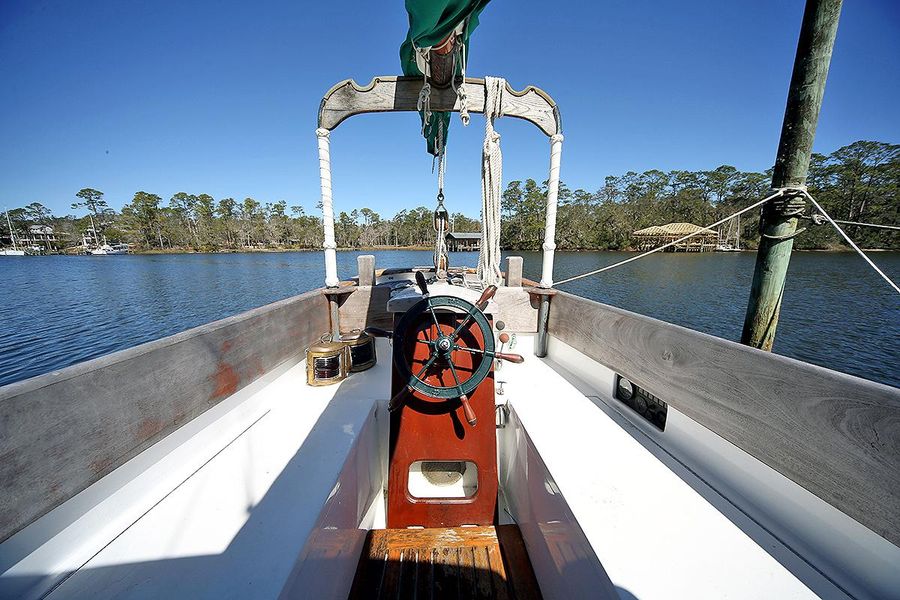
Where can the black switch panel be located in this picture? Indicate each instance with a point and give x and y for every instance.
(651, 408)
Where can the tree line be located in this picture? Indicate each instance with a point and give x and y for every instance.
(858, 182)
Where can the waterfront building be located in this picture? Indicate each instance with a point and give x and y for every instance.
(463, 242)
(41, 238)
(657, 235)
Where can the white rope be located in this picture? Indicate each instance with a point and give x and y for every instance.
(875, 225)
(423, 104)
(678, 241)
(441, 261)
(329, 244)
(442, 163)
(849, 241)
(440, 251)
(491, 176)
(461, 92)
(441, 257)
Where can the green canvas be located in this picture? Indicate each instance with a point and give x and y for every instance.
(430, 22)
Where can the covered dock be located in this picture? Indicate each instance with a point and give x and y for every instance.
(463, 242)
(657, 235)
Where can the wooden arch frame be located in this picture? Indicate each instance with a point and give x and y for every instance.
(387, 94)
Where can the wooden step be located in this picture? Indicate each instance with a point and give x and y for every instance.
(454, 562)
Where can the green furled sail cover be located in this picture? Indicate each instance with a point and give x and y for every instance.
(430, 22)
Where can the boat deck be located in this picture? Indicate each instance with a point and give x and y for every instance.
(230, 506)
(458, 562)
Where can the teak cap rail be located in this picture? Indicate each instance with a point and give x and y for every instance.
(385, 94)
(833, 434)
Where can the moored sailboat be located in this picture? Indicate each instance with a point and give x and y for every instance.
(110, 249)
(14, 251)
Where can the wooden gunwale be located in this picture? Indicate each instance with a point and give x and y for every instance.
(836, 435)
(62, 431)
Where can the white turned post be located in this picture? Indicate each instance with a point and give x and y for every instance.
(552, 200)
(330, 246)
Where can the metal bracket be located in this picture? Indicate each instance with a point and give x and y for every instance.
(502, 415)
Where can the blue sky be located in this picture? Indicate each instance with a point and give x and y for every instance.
(221, 97)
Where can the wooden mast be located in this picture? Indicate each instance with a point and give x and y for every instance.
(778, 223)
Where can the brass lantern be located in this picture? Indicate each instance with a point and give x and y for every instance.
(327, 362)
(362, 350)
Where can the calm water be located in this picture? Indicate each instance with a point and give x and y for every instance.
(56, 311)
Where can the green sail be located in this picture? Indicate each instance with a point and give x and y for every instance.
(430, 22)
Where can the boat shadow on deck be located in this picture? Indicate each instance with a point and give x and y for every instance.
(302, 502)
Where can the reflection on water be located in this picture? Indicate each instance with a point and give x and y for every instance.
(56, 311)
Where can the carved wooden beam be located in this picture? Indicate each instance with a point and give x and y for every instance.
(385, 94)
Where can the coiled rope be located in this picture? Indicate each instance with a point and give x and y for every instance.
(491, 175)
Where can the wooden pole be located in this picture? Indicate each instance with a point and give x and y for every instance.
(778, 223)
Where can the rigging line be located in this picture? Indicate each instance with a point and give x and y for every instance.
(441, 216)
(876, 225)
(778, 193)
(849, 241)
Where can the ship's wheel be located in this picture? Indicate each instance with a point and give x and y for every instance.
(459, 355)
(443, 349)
(440, 356)
(443, 354)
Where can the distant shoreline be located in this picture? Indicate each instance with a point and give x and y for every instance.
(177, 251)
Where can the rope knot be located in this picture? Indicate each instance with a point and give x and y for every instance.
(423, 105)
(463, 104)
(459, 53)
